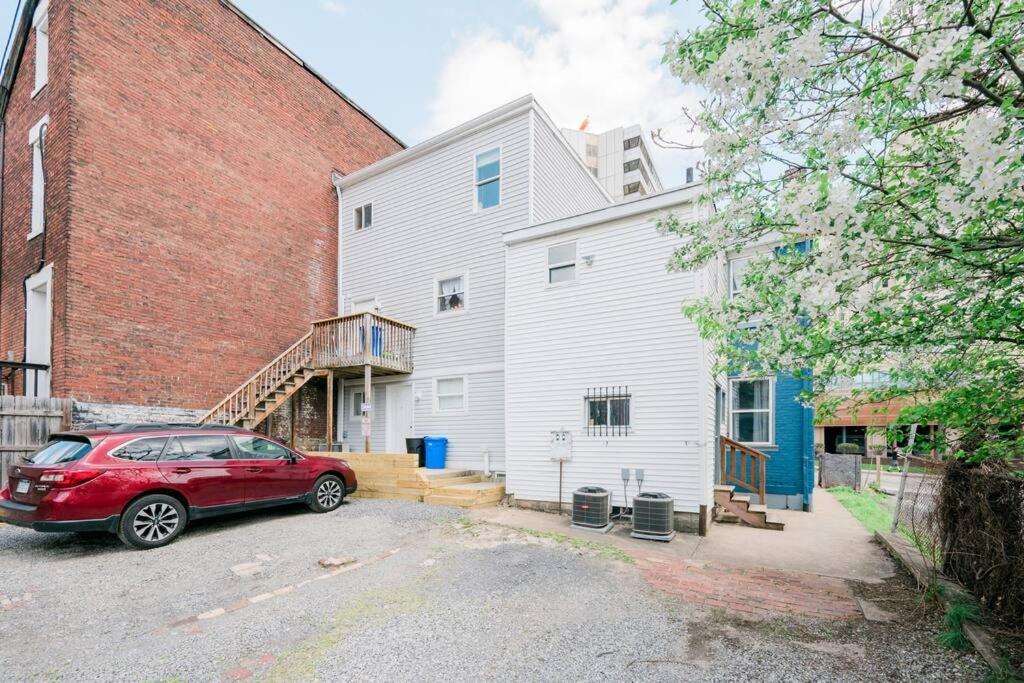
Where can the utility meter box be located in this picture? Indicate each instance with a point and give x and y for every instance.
(561, 445)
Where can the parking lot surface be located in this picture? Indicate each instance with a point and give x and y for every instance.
(409, 592)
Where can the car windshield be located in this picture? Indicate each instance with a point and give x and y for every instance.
(59, 452)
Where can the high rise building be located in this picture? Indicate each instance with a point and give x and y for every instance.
(619, 160)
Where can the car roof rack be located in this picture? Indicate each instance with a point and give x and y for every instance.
(122, 427)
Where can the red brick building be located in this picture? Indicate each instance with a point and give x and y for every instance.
(189, 233)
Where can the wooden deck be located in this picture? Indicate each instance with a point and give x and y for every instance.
(398, 476)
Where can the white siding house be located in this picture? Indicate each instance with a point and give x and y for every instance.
(593, 309)
(431, 254)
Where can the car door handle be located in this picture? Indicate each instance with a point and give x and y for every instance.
(253, 469)
(181, 470)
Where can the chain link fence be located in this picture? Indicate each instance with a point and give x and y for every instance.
(916, 505)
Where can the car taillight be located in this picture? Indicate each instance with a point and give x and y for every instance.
(67, 478)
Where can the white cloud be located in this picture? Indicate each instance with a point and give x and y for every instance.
(332, 6)
(596, 58)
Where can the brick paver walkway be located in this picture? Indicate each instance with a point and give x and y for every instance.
(750, 593)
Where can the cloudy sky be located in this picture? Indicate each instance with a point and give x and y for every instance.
(421, 67)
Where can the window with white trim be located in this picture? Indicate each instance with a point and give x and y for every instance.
(37, 141)
(488, 179)
(41, 24)
(607, 411)
(364, 216)
(357, 403)
(752, 406)
(450, 294)
(449, 394)
(737, 268)
(562, 263)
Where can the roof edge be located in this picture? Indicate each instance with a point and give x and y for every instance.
(305, 65)
(13, 63)
(506, 111)
(572, 152)
(655, 202)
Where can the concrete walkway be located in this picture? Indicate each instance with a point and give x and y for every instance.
(827, 542)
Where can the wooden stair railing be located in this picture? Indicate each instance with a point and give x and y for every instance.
(343, 341)
(742, 466)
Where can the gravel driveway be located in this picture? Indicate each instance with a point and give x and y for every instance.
(429, 596)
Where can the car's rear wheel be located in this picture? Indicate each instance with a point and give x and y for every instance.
(152, 521)
(327, 493)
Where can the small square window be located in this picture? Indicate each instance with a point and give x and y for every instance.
(450, 394)
(450, 294)
(607, 411)
(364, 216)
(562, 263)
(488, 179)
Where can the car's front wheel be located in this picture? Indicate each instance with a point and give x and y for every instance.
(152, 521)
(327, 493)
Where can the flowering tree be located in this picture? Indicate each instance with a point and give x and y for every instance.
(891, 134)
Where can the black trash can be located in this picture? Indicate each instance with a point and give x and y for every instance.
(417, 446)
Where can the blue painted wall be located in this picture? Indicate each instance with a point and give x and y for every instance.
(790, 472)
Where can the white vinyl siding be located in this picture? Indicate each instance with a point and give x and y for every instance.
(562, 185)
(37, 143)
(433, 231)
(620, 325)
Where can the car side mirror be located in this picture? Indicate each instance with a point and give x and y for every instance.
(291, 458)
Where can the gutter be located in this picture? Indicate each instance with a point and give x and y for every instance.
(341, 253)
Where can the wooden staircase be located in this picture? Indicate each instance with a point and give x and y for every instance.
(731, 507)
(345, 346)
(745, 467)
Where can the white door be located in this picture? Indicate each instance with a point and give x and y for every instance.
(398, 417)
(37, 331)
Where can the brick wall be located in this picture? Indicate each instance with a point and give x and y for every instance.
(199, 219)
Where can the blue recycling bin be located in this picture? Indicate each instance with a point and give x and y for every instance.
(437, 451)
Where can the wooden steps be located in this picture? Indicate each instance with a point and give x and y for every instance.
(398, 476)
(733, 508)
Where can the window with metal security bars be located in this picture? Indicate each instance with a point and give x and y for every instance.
(607, 411)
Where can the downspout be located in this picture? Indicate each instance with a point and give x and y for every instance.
(702, 438)
(339, 425)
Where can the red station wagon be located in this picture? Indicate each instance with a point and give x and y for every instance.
(146, 482)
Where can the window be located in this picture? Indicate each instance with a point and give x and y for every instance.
(631, 188)
(631, 166)
(450, 294)
(607, 411)
(591, 150)
(630, 143)
(750, 403)
(37, 141)
(365, 305)
(737, 268)
(198, 448)
(253, 447)
(141, 450)
(59, 452)
(357, 404)
(488, 178)
(562, 263)
(449, 394)
(41, 23)
(364, 216)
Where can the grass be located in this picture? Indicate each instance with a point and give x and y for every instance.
(867, 506)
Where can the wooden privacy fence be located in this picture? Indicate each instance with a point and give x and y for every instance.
(25, 425)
